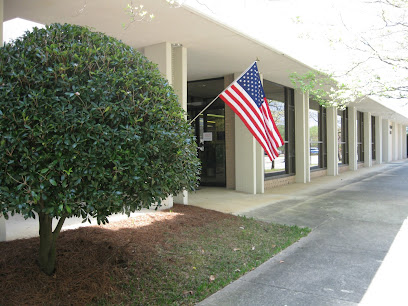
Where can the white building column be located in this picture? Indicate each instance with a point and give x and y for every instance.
(400, 141)
(395, 141)
(179, 65)
(368, 150)
(378, 140)
(249, 159)
(172, 63)
(260, 168)
(302, 146)
(259, 164)
(404, 141)
(179, 82)
(2, 220)
(245, 158)
(161, 55)
(387, 140)
(352, 128)
(332, 141)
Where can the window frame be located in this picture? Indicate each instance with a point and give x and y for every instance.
(360, 137)
(289, 142)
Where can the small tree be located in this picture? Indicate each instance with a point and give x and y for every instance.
(88, 128)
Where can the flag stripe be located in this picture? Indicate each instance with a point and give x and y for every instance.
(247, 124)
(252, 112)
(239, 104)
(271, 128)
(261, 124)
(246, 98)
(274, 129)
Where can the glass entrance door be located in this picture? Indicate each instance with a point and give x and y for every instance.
(210, 136)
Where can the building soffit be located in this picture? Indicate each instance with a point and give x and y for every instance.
(214, 50)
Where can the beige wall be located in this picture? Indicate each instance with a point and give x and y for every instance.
(279, 181)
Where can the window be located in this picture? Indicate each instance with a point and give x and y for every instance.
(209, 129)
(360, 137)
(317, 135)
(342, 132)
(282, 105)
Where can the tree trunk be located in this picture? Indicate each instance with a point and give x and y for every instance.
(47, 254)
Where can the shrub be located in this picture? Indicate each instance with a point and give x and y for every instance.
(88, 128)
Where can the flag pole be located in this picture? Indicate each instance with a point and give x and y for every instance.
(205, 108)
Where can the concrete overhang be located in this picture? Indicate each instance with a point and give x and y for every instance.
(214, 49)
(377, 108)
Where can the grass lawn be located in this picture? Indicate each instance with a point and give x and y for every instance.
(180, 256)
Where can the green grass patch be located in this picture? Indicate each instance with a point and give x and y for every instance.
(197, 262)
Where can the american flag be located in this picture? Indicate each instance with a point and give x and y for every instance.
(246, 97)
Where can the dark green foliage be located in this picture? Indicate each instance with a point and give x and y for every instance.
(88, 127)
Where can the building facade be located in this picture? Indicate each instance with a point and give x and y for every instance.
(200, 57)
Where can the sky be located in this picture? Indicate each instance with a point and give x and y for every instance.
(318, 33)
(298, 28)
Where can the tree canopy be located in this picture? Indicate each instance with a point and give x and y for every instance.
(373, 49)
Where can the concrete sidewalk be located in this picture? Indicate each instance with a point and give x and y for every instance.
(357, 245)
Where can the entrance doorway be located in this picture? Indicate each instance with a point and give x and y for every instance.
(209, 129)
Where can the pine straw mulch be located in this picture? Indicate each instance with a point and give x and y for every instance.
(89, 259)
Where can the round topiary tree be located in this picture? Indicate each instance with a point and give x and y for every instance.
(88, 128)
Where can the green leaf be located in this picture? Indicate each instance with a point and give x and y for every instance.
(95, 104)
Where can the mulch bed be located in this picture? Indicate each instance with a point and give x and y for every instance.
(90, 260)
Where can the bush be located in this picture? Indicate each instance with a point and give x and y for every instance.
(88, 128)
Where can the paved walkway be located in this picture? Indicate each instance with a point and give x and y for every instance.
(356, 253)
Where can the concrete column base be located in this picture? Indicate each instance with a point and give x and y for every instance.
(181, 198)
(3, 233)
(165, 204)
